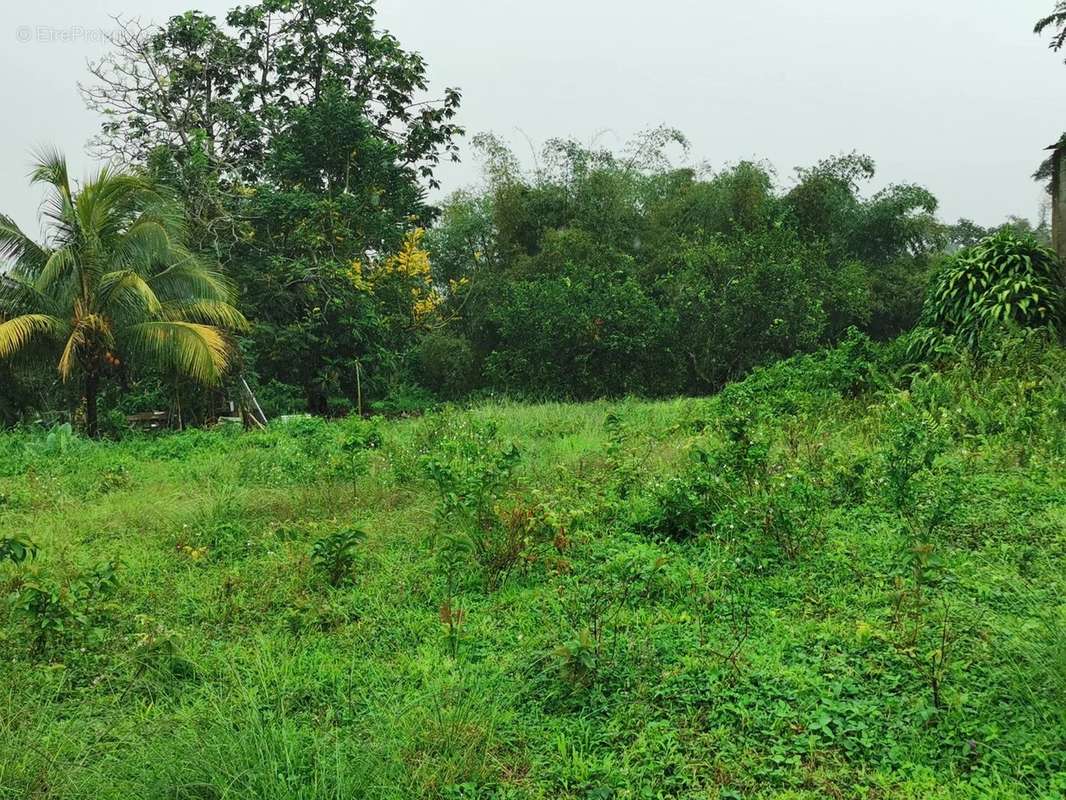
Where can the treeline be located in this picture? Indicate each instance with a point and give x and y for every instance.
(298, 142)
(601, 274)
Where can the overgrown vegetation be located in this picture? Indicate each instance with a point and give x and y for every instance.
(836, 578)
(832, 567)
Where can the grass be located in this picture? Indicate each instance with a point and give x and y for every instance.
(750, 595)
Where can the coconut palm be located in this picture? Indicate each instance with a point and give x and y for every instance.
(113, 282)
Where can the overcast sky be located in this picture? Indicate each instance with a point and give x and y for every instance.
(958, 95)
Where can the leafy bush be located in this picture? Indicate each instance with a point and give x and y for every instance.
(684, 506)
(278, 399)
(799, 384)
(1003, 279)
(590, 333)
(404, 400)
(53, 612)
(57, 441)
(472, 471)
(914, 440)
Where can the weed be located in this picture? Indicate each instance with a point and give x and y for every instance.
(49, 612)
(743, 455)
(453, 554)
(472, 472)
(684, 506)
(17, 549)
(113, 479)
(53, 612)
(914, 441)
(593, 606)
(57, 442)
(334, 555)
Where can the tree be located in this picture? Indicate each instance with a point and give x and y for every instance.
(194, 88)
(114, 281)
(1056, 19)
(1050, 172)
(301, 141)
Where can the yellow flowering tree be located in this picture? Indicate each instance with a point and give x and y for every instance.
(404, 282)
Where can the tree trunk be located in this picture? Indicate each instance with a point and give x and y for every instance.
(92, 386)
(1058, 203)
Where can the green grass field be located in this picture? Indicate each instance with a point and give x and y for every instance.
(817, 584)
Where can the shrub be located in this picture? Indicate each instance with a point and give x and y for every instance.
(685, 505)
(334, 555)
(404, 400)
(53, 612)
(277, 399)
(1003, 279)
(472, 471)
(914, 440)
(58, 441)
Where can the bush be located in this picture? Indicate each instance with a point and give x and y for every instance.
(278, 399)
(582, 336)
(446, 364)
(404, 400)
(684, 506)
(334, 555)
(1004, 279)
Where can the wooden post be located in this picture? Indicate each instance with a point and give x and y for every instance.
(359, 387)
(254, 409)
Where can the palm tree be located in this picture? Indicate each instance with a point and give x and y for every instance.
(1056, 19)
(113, 282)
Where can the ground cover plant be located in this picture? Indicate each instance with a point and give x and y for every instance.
(837, 578)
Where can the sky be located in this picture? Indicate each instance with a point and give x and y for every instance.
(956, 95)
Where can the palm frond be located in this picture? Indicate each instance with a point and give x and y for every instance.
(188, 279)
(19, 296)
(16, 246)
(61, 265)
(146, 243)
(120, 196)
(68, 358)
(125, 293)
(200, 352)
(208, 312)
(81, 335)
(50, 166)
(19, 331)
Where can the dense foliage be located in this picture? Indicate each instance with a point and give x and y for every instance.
(301, 141)
(603, 274)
